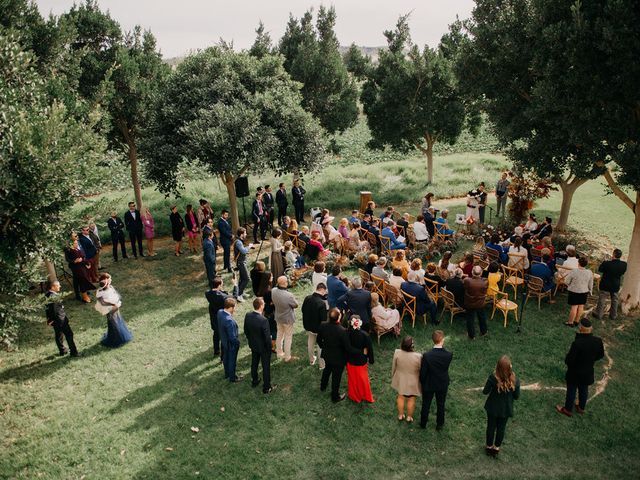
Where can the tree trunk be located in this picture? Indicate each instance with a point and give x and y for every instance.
(630, 293)
(569, 187)
(135, 180)
(429, 154)
(229, 181)
(51, 270)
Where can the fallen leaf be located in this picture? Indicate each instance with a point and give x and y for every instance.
(222, 409)
(169, 449)
(122, 452)
(195, 429)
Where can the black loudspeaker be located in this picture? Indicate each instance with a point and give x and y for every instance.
(242, 187)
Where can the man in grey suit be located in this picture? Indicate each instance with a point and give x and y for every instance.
(284, 303)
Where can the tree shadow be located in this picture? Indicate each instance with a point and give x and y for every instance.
(186, 318)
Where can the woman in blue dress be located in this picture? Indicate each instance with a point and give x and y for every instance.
(108, 303)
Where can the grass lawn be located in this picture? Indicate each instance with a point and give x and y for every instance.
(128, 413)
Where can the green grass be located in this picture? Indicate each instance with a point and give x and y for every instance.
(115, 413)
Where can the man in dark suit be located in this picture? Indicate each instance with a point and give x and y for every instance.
(434, 378)
(612, 272)
(216, 297)
(116, 228)
(357, 301)
(423, 303)
(57, 318)
(268, 202)
(282, 202)
(314, 312)
(455, 286)
(297, 193)
(585, 350)
(90, 252)
(133, 222)
(226, 238)
(256, 328)
(209, 257)
(334, 342)
(259, 218)
(429, 218)
(229, 340)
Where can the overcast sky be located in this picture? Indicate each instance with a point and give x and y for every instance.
(183, 25)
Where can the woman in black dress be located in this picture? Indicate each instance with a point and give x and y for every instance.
(177, 229)
(359, 387)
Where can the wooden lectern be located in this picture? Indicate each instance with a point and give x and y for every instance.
(365, 197)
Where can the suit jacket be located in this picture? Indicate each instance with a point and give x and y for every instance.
(298, 194)
(336, 288)
(314, 312)
(284, 303)
(358, 301)
(416, 290)
(334, 342)
(116, 228)
(612, 272)
(226, 236)
(216, 300)
(55, 312)
(428, 221)
(228, 329)
(475, 292)
(255, 211)
(256, 329)
(267, 200)
(585, 350)
(395, 244)
(281, 198)
(131, 224)
(209, 252)
(434, 370)
(88, 246)
(456, 287)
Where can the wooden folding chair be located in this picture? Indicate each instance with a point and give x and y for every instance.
(401, 231)
(517, 261)
(449, 304)
(536, 289)
(561, 275)
(394, 297)
(385, 245)
(439, 231)
(432, 288)
(536, 255)
(411, 237)
(379, 287)
(379, 330)
(512, 277)
(492, 255)
(364, 276)
(373, 241)
(501, 302)
(483, 264)
(410, 306)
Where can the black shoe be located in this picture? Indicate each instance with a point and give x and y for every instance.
(142, 255)
(423, 425)
(255, 384)
(323, 389)
(115, 259)
(340, 398)
(76, 354)
(270, 389)
(126, 256)
(439, 427)
(63, 353)
(236, 380)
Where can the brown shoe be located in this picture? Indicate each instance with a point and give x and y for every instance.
(564, 411)
(579, 410)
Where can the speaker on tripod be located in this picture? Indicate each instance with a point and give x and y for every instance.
(242, 191)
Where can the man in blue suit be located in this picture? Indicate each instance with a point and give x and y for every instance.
(229, 340)
(388, 232)
(209, 256)
(357, 301)
(90, 252)
(226, 238)
(335, 286)
(423, 303)
(442, 223)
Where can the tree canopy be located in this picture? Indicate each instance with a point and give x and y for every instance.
(357, 63)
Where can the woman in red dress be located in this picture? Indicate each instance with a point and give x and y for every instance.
(359, 387)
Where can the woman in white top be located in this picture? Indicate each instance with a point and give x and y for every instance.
(319, 275)
(472, 205)
(416, 266)
(385, 317)
(420, 229)
(396, 279)
(579, 286)
(531, 224)
(447, 267)
(518, 255)
(572, 260)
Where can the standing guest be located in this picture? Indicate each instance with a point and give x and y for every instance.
(133, 222)
(282, 202)
(226, 238)
(372, 260)
(193, 228)
(399, 261)
(335, 286)
(424, 304)
(472, 205)
(475, 293)
(109, 302)
(95, 238)
(420, 230)
(177, 229)
(268, 202)
(371, 205)
(358, 385)
(58, 319)
(277, 249)
(298, 193)
(79, 269)
(216, 297)
(396, 279)
(482, 201)
(205, 212)
(319, 274)
(90, 252)
(333, 340)
(209, 257)
(314, 312)
(585, 350)
(379, 269)
(612, 272)
(240, 253)
(270, 312)
(502, 187)
(387, 318)
(259, 219)
(256, 329)
(284, 303)
(434, 378)
(116, 227)
(149, 231)
(357, 301)
(503, 387)
(405, 378)
(455, 286)
(427, 202)
(579, 283)
(229, 340)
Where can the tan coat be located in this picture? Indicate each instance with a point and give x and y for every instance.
(405, 372)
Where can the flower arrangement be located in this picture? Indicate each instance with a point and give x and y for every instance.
(524, 190)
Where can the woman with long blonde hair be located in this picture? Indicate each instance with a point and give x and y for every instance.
(503, 387)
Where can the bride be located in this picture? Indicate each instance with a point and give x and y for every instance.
(108, 303)
(472, 205)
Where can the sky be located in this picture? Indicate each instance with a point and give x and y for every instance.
(181, 26)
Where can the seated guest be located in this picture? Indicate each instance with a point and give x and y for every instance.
(423, 303)
(343, 229)
(292, 259)
(379, 269)
(517, 232)
(416, 266)
(546, 243)
(572, 259)
(517, 252)
(388, 213)
(455, 286)
(404, 222)
(551, 263)
(495, 244)
(432, 274)
(354, 217)
(357, 301)
(399, 261)
(303, 234)
(369, 286)
(374, 227)
(467, 264)
(531, 225)
(544, 229)
(336, 288)
(443, 223)
(293, 227)
(371, 263)
(370, 207)
(355, 243)
(494, 278)
(447, 267)
(420, 230)
(385, 317)
(314, 241)
(544, 273)
(388, 232)
(429, 218)
(286, 223)
(319, 275)
(366, 222)
(396, 279)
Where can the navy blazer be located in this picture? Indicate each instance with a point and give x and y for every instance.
(255, 211)
(88, 247)
(133, 225)
(358, 301)
(612, 272)
(434, 370)
(116, 228)
(216, 300)
(336, 289)
(416, 290)
(256, 329)
(226, 235)
(228, 329)
(281, 198)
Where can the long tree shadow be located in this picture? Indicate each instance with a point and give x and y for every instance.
(186, 318)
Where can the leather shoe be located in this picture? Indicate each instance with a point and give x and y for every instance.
(564, 411)
(236, 380)
(579, 410)
(270, 389)
(254, 385)
(439, 427)
(340, 398)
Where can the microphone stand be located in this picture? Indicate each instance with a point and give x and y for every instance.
(523, 295)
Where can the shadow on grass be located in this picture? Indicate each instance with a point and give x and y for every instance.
(186, 318)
